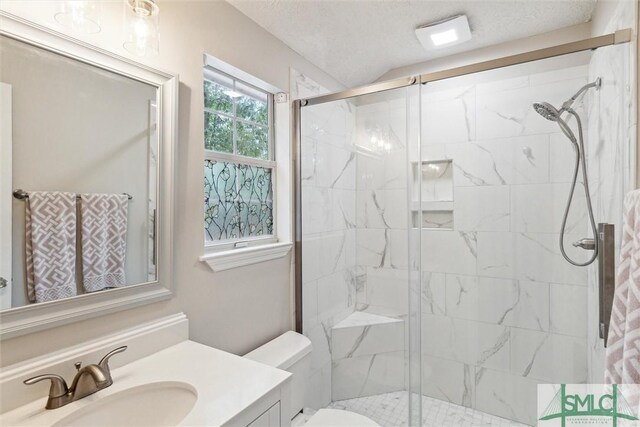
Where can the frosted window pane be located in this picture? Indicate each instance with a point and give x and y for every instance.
(238, 201)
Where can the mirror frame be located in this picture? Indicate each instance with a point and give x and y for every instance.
(31, 318)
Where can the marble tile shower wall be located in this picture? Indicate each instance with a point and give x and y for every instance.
(381, 207)
(502, 310)
(611, 134)
(328, 227)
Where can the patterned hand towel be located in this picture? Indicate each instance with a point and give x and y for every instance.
(623, 346)
(104, 240)
(50, 245)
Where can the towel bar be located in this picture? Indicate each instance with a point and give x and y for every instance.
(22, 195)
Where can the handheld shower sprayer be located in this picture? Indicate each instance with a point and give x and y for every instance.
(551, 113)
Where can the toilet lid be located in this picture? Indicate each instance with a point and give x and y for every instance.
(339, 418)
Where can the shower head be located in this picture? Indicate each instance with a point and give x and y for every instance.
(551, 113)
(546, 110)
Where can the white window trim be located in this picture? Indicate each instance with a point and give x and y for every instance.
(225, 255)
(225, 260)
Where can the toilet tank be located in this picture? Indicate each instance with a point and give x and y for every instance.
(290, 352)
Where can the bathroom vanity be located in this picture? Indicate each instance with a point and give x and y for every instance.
(162, 379)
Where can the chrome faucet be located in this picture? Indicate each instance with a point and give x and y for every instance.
(88, 380)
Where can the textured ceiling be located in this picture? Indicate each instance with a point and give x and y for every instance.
(356, 41)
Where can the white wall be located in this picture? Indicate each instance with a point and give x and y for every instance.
(235, 310)
(105, 151)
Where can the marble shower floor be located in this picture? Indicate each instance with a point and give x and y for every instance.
(391, 410)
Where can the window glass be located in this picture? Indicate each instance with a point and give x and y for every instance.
(216, 99)
(238, 167)
(253, 141)
(252, 110)
(238, 200)
(218, 133)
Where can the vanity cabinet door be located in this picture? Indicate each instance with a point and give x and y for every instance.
(270, 418)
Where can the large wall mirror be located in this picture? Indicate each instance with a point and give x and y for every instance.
(86, 174)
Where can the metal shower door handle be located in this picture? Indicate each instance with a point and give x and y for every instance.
(606, 276)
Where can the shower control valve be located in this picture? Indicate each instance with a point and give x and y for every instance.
(586, 243)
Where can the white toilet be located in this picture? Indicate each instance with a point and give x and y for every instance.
(292, 352)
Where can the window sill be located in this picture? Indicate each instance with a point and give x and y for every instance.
(226, 260)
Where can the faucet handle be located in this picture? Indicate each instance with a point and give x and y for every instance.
(58, 384)
(586, 243)
(104, 362)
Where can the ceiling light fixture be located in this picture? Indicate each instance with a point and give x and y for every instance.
(444, 37)
(141, 27)
(79, 15)
(447, 32)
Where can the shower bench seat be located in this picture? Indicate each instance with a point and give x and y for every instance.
(367, 352)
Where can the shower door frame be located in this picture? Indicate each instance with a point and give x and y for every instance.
(619, 37)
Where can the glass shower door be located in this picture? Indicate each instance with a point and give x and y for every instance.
(356, 263)
(502, 310)
(433, 287)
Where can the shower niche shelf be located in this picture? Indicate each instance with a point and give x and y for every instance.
(433, 208)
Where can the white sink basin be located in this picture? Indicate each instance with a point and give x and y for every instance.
(153, 404)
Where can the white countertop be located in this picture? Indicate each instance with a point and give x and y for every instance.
(226, 385)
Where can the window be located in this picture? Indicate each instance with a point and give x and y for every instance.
(239, 166)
